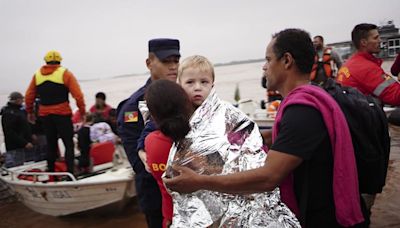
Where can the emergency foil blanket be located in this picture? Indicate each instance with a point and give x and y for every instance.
(224, 140)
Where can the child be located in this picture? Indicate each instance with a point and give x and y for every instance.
(101, 131)
(93, 130)
(221, 140)
(84, 143)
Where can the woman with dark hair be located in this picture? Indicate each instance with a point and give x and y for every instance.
(171, 109)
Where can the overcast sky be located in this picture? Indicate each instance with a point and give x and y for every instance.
(105, 38)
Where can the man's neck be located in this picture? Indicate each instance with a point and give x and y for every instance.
(301, 79)
(366, 51)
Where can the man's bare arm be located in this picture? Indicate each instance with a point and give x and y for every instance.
(267, 136)
(277, 166)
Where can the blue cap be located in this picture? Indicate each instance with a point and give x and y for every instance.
(164, 48)
(15, 96)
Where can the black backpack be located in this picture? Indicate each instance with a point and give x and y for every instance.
(370, 134)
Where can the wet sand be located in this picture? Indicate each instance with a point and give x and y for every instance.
(16, 215)
(386, 210)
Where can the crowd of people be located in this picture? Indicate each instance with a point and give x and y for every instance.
(47, 117)
(201, 162)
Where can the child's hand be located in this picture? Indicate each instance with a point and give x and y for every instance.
(143, 156)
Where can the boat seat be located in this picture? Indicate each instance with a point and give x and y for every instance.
(60, 166)
(99, 152)
(102, 152)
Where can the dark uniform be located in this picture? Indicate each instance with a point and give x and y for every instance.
(130, 126)
(17, 132)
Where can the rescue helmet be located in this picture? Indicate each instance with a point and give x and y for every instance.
(52, 56)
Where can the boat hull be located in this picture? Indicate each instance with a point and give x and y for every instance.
(65, 200)
(113, 186)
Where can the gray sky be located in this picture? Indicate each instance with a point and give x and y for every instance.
(105, 38)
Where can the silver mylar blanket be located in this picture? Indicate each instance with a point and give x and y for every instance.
(224, 140)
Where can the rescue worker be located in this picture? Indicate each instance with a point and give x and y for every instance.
(53, 83)
(363, 70)
(16, 129)
(163, 62)
(326, 62)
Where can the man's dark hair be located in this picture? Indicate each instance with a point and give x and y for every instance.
(298, 43)
(101, 95)
(360, 32)
(170, 108)
(320, 37)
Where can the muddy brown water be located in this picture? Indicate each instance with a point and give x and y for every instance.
(385, 212)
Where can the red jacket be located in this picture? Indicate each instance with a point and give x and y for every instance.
(364, 72)
(395, 70)
(61, 108)
(157, 147)
(105, 112)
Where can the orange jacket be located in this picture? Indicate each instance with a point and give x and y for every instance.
(59, 109)
(325, 60)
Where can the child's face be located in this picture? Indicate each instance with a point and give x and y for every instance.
(197, 84)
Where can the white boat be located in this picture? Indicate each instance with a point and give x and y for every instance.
(110, 183)
(263, 118)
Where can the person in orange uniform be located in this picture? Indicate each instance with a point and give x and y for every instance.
(326, 62)
(53, 83)
(363, 70)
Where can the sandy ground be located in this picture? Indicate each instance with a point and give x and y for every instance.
(386, 210)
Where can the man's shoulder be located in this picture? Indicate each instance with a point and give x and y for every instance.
(4, 110)
(135, 97)
(130, 104)
(358, 64)
(133, 100)
(299, 115)
(300, 108)
(10, 109)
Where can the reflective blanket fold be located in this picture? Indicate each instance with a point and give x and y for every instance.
(224, 140)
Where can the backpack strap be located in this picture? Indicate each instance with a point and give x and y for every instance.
(303, 201)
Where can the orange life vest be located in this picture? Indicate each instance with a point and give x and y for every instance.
(326, 60)
(273, 106)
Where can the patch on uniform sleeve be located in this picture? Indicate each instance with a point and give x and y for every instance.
(343, 73)
(131, 117)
